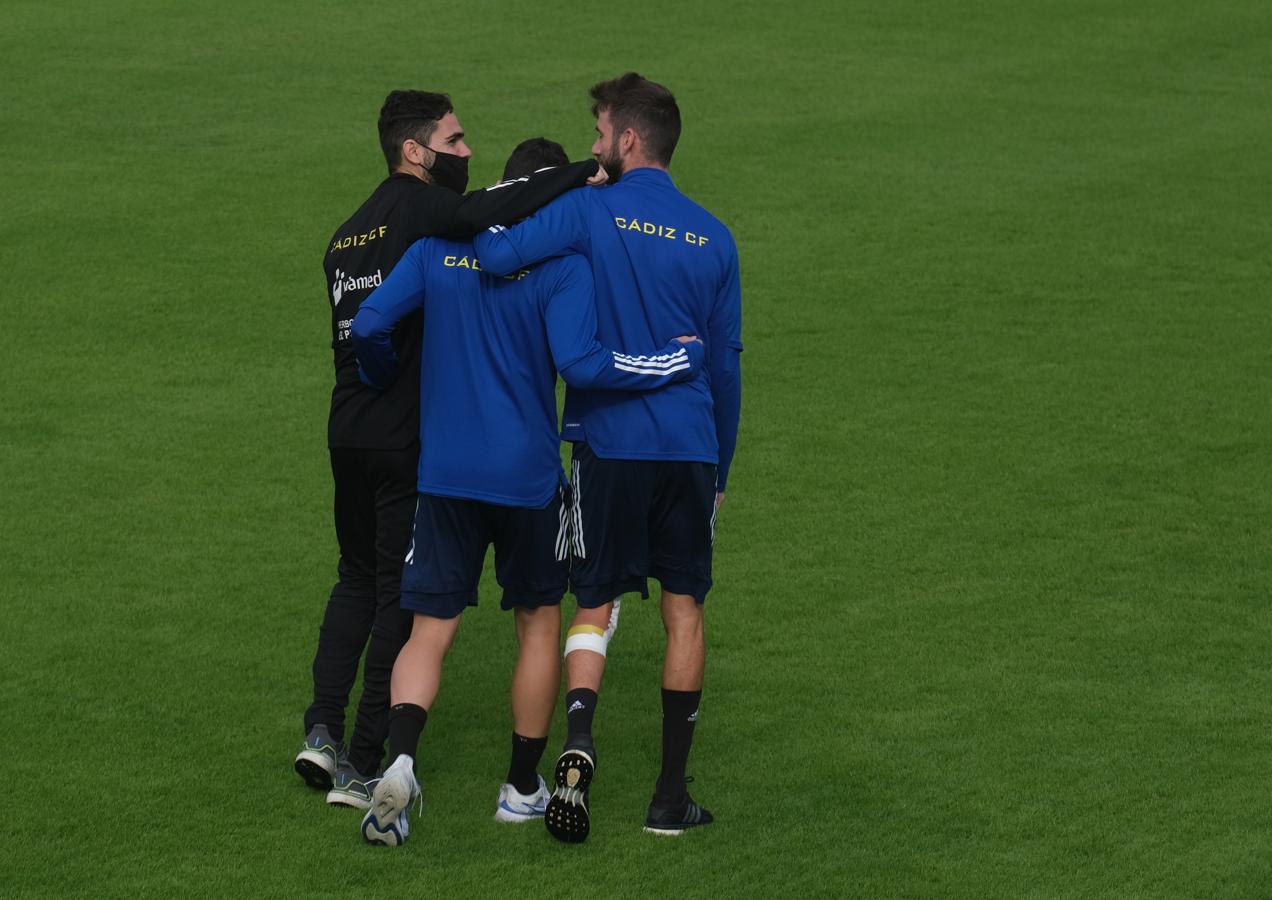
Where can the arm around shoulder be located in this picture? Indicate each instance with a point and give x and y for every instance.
(511, 201)
(559, 228)
(372, 330)
(570, 314)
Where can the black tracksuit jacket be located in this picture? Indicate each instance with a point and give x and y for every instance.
(363, 251)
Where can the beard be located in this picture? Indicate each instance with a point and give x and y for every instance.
(612, 161)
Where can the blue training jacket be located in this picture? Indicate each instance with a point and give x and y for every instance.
(492, 348)
(663, 266)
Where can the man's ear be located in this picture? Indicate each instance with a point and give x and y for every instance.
(414, 152)
(628, 141)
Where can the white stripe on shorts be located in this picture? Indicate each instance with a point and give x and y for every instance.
(580, 550)
(410, 553)
(563, 528)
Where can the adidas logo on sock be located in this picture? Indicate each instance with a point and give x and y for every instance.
(578, 704)
(694, 716)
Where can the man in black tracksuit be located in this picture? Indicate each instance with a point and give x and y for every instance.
(373, 435)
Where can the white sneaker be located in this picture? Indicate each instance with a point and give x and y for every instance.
(518, 807)
(387, 821)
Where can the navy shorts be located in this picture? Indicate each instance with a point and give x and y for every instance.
(636, 519)
(448, 548)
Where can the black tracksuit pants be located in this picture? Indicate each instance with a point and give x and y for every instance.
(375, 506)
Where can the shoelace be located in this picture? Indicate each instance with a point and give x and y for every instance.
(419, 797)
(693, 812)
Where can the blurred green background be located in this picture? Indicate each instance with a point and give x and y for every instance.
(991, 615)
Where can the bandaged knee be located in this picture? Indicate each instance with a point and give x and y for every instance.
(586, 637)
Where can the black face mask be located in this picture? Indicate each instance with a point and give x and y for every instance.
(449, 171)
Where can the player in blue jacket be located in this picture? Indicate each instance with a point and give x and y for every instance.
(650, 470)
(490, 472)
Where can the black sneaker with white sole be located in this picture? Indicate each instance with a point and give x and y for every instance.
(351, 788)
(671, 818)
(566, 816)
(319, 758)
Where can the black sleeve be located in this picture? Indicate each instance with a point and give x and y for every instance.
(436, 212)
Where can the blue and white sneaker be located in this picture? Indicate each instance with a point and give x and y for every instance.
(318, 760)
(387, 821)
(517, 807)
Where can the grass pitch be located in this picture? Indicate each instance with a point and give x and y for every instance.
(993, 578)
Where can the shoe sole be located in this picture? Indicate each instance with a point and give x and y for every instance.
(513, 818)
(391, 797)
(374, 833)
(317, 770)
(388, 800)
(340, 798)
(675, 829)
(664, 832)
(567, 817)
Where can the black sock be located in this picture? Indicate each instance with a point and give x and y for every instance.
(580, 704)
(406, 721)
(680, 712)
(523, 767)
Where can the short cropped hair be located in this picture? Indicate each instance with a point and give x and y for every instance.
(409, 115)
(644, 106)
(534, 154)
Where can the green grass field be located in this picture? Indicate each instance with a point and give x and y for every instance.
(993, 582)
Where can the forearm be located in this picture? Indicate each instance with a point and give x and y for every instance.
(726, 392)
(497, 251)
(556, 230)
(372, 342)
(511, 201)
(604, 369)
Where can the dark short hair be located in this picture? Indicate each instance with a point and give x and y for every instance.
(534, 154)
(644, 106)
(409, 115)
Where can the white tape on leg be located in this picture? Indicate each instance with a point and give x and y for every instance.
(590, 641)
(613, 622)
